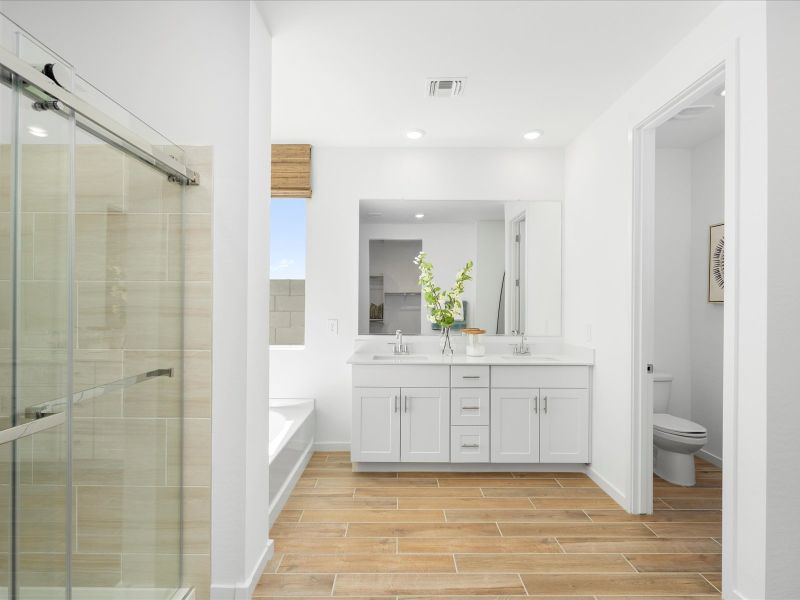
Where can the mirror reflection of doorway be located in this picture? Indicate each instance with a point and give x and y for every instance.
(517, 283)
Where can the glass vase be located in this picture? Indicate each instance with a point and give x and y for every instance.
(444, 342)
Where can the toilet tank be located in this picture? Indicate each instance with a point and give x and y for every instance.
(662, 382)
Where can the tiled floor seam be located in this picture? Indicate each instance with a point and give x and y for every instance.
(709, 583)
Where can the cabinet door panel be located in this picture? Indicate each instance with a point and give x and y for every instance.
(425, 425)
(564, 425)
(376, 425)
(515, 425)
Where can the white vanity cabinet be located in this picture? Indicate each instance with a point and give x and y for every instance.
(540, 414)
(401, 413)
(471, 413)
(515, 425)
(376, 424)
(425, 425)
(564, 425)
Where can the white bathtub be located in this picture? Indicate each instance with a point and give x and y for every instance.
(291, 442)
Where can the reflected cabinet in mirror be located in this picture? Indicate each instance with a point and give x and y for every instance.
(516, 251)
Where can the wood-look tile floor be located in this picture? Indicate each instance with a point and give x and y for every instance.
(467, 536)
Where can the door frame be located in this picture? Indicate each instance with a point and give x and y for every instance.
(644, 156)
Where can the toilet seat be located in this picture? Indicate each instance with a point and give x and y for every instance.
(676, 426)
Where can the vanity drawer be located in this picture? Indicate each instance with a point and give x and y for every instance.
(566, 376)
(469, 406)
(469, 377)
(469, 444)
(404, 376)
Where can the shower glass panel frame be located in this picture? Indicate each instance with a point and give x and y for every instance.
(91, 339)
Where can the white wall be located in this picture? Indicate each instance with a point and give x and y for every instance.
(599, 262)
(199, 73)
(341, 177)
(673, 233)
(783, 478)
(708, 208)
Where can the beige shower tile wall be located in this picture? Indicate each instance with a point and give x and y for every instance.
(132, 245)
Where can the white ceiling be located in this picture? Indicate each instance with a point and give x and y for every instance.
(353, 73)
(435, 211)
(677, 133)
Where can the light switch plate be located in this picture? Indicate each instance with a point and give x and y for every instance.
(333, 326)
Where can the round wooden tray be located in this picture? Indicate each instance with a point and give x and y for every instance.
(473, 331)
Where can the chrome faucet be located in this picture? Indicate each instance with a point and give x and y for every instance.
(398, 346)
(520, 349)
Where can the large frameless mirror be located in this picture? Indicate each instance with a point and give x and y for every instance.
(515, 247)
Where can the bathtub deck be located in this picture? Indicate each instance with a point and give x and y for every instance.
(489, 536)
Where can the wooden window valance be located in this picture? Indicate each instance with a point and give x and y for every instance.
(291, 170)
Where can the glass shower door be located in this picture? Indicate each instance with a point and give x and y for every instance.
(37, 342)
(91, 355)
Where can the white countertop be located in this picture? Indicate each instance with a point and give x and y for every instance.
(368, 358)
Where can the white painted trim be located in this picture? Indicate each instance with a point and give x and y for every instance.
(244, 590)
(286, 489)
(381, 467)
(730, 368)
(332, 447)
(712, 458)
(643, 139)
(616, 494)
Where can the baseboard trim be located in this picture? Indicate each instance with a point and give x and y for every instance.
(332, 447)
(286, 489)
(244, 590)
(376, 467)
(609, 488)
(712, 458)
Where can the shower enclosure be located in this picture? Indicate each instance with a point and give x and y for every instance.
(91, 339)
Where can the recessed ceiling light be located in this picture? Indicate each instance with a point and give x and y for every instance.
(533, 135)
(419, 215)
(722, 92)
(37, 131)
(414, 134)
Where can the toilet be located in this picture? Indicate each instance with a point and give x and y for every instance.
(675, 440)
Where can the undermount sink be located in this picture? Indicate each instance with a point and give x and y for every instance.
(399, 357)
(538, 357)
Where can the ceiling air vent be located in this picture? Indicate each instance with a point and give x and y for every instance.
(692, 112)
(445, 87)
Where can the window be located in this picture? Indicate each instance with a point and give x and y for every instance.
(287, 272)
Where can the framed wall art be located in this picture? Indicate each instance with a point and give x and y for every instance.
(716, 263)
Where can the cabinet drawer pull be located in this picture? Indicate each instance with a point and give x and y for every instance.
(405, 403)
(470, 445)
(470, 377)
(536, 405)
(470, 408)
(545, 405)
(396, 405)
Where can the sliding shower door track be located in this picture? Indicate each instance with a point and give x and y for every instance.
(94, 120)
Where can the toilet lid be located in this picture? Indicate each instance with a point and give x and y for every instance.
(672, 424)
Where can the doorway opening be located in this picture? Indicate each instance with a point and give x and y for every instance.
(680, 202)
